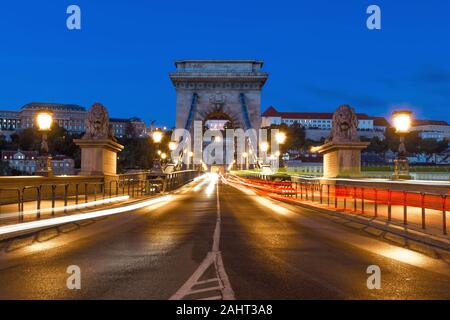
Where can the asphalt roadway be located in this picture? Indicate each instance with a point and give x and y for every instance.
(214, 240)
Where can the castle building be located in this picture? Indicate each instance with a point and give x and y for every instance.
(68, 116)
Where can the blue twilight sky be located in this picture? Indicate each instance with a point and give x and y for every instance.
(319, 53)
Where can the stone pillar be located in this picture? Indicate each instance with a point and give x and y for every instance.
(342, 150)
(98, 157)
(342, 159)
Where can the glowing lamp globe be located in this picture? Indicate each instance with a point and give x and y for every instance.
(172, 145)
(280, 137)
(44, 121)
(402, 121)
(157, 136)
(264, 146)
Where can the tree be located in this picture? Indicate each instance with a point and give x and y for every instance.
(29, 139)
(432, 146)
(376, 145)
(59, 141)
(295, 137)
(137, 154)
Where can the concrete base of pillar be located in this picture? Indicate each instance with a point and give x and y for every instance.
(342, 159)
(98, 157)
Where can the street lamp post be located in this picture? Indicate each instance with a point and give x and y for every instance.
(245, 156)
(44, 121)
(264, 147)
(172, 147)
(157, 136)
(191, 160)
(163, 156)
(280, 138)
(402, 123)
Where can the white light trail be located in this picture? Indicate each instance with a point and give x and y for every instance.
(213, 180)
(78, 217)
(201, 184)
(260, 199)
(68, 208)
(203, 176)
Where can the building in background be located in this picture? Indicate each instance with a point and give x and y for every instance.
(9, 123)
(22, 161)
(318, 124)
(139, 127)
(119, 125)
(133, 126)
(63, 165)
(432, 129)
(25, 162)
(68, 116)
(380, 124)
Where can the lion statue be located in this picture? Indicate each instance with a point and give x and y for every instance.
(344, 125)
(97, 123)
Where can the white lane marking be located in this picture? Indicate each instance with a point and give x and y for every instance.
(214, 257)
(10, 229)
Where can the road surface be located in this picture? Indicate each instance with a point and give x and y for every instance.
(213, 240)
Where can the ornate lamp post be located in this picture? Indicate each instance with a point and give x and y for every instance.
(402, 122)
(264, 147)
(172, 147)
(280, 138)
(191, 160)
(245, 157)
(44, 121)
(163, 156)
(157, 136)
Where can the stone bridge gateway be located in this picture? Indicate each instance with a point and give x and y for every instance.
(220, 93)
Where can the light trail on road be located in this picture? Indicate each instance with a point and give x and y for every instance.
(394, 252)
(78, 217)
(66, 208)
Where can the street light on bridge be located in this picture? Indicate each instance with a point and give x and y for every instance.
(191, 160)
(264, 148)
(245, 157)
(44, 121)
(172, 145)
(280, 137)
(402, 120)
(157, 137)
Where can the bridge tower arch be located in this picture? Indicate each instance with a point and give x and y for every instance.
(228, 90)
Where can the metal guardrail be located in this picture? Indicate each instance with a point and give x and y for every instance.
(359, 199)
(176, 179)
(33, 197)
(17, 200)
